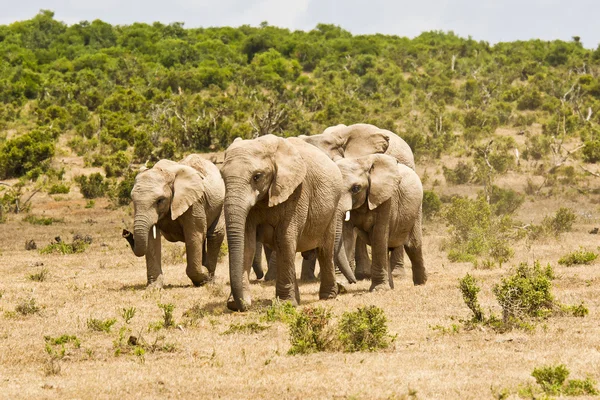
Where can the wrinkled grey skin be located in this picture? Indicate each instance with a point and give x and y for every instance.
(185, 202)
(286, 192)
(386, 199)
(357, 140)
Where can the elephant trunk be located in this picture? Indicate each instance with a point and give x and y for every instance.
(340, 252)
(141, 229)
(235, 220)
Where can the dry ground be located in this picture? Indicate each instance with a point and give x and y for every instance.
(207, 364)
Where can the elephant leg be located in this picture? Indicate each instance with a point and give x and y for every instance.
(286, 287)
(397, 261)
(363, 264)
(379, 237)
(214, 240)
(153, 260)
(309, 261)
(271, 255)
(414, 251)
(328, 289)
(257, 261)
(194, 244)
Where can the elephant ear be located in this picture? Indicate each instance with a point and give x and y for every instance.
(188, 188)
(384, 178)
(290, 170)
(363, 141)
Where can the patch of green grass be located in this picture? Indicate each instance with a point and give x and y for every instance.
(579, 257)
(167, 310)
(39, 276)
(78, 245)
(35, 220)
(63, 339)
(553, 381)
(27, 307)
(248, 328)
(364, 330)
(100, 325)
(282, 311)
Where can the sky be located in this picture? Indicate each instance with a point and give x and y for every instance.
(490, 20)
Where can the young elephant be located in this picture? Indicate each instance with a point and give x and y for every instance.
(385, 198)
(185, 201)
(287, 192)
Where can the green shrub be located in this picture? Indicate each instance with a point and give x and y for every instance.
(25, 153)
(59, 188)
(526, 293)
(364, 330)
(310, 331)
(579, 257)
(116, 164)
(469, 289)
(92, 186)
(78, 245)
(461, 174)
(591, 151)
(100, 325)
(431, 204)
(505, 201)
(562, 221)
(553, 381)
(122, 192)
(34, 220)
(167, 310)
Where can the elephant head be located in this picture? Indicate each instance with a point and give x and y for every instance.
(267, 169)
(166, 190)
(343, 141)
(369, 179)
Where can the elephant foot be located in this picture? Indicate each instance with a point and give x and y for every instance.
(156, 283)
(286, 299)
(398, 272)
(232, 305)
(379, 287)
(419, 278)
(259, 274)
(362, 276)
(329, 292)
(199, 278)
(270, 275)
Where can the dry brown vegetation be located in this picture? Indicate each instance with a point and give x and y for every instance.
(433, 355)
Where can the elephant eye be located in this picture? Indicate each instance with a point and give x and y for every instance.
(256, 177)
(355, 189)
(160, 201)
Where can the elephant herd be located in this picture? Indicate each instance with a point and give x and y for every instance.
(327, 196)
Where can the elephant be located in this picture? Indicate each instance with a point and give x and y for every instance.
(285, 192)
(184, 200)
(351, 141)
(386, 198)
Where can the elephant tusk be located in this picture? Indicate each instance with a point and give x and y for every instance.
(347, 218)
(154, 231)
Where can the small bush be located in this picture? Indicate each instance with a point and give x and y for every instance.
(591, 151)
(34, 220)
(461, 174)
(505, 201)
(310, 331)
(553, 381)
(431, 204)
(167, 310)
(579, 257)
(469, 289)
(24, 153)
(99, 325)
(28, 307)
(92, 186)
(59, 188)
(40, 276)
(78, 245)
(526, 293)
(249, 328)
(562, 221)
(128, 314)
(364, 330)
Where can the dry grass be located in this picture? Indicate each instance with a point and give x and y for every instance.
(194, 359)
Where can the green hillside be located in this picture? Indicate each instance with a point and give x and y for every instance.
(123, 94)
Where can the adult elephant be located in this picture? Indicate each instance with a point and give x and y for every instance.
(185, 201)
(287, 192)
(386, 199)
(357, 140)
